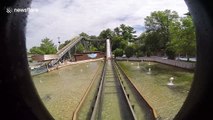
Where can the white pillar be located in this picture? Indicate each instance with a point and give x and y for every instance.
(108, 49)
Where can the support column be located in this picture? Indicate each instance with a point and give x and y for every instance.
(69, 54)
(108, 50)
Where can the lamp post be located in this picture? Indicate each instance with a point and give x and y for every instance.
(58, 43)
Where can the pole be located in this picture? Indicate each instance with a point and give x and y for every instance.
(58, 43)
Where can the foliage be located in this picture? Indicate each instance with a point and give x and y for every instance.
(119, 37)
(84, 35)
(187, 42)
(167, 33)
(80, 48)
(158, 29)
(127, 32)
(129, 51)
(94, 45)
(170, 52)
(36, 50)
(92, 48)
(106, 34)
(118, 52)
(46, 47)
(118, 42)
(64, 44)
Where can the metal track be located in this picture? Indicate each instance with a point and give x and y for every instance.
(112, 102)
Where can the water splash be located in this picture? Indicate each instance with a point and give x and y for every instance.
(149, 71)
(170, 83)
(138, 65)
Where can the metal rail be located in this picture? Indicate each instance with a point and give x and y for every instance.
(66, 48)
(71, 44)
(119, 91)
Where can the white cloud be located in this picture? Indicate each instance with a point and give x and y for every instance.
(68, 18)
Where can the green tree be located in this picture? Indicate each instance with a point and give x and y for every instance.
(127, 32)
(64, 44)
(117, 31)
(158, 28)
(46, 47)
(101, 48)
(83, 34)
(187, 43)
(106, 34)
(93, 37)
(129, 51)
(182, 34)
(118, 42)
(152, 42)
(92, 48)
(36, 50)
(96, 44)
(170, 51)
(119, 37)
(80, 48)
(118, 52)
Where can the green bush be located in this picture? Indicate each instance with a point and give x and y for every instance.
(118, 52)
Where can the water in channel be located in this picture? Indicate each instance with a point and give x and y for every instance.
(61, 90)
(152, 80)
(114, 105)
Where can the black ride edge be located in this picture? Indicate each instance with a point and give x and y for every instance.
(19, 99)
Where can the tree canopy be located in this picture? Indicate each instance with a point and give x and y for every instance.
(64, 44)
(46, 47)
(166, 33)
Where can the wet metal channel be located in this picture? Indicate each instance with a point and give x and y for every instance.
(114, 105)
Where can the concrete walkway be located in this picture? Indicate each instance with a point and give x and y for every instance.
(181, 64)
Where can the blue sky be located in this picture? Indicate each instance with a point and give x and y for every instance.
(68, 18)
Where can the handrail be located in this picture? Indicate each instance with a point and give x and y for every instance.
(66, 48)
